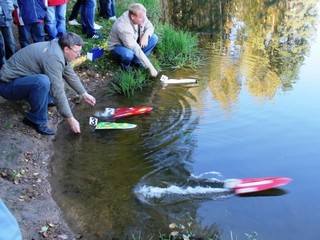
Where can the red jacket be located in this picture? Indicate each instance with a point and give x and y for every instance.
(56, 2)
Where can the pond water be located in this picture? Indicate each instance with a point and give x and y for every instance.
(254, 113)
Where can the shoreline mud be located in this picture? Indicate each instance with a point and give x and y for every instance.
(24, 168)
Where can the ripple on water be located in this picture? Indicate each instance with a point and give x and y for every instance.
(173, 118)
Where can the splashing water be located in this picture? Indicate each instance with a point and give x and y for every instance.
(194, 188)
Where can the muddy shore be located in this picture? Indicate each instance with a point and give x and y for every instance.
(24, 166)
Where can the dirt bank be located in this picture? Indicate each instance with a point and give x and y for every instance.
(24, 160)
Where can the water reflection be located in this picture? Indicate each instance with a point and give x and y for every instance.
(268, 39)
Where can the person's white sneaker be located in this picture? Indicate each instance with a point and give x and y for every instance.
(113, 18)
(96, 26)
(74, 22)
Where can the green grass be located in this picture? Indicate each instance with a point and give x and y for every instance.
(128, 82)
(8, 125)
(177, 49)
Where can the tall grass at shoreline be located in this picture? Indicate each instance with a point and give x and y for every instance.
(128, 82)
(177, 49)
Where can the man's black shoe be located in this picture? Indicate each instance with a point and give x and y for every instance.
(42, 129)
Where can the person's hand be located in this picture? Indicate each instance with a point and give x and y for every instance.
(89, 99)
(144, 41)
(153, 72)
(73, 124)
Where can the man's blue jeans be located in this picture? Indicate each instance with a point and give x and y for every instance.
(111, 8)
(107, 8)
(28, 31)
(87, 16)
(2, 51)
(33, 88)
(75, 10)
(126, 56)
(55, 21)
(7, 44)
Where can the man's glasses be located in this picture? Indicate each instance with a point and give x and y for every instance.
(76, 52)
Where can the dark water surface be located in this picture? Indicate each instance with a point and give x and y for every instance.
(254, 113)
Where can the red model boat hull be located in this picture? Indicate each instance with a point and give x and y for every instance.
(125, 112)
(250, 185)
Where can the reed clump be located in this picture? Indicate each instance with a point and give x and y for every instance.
(177, 48)
(128, 82)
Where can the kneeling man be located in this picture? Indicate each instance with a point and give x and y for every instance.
(37, 73)
(132, 38)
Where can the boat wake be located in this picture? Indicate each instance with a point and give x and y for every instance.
(194, 188)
